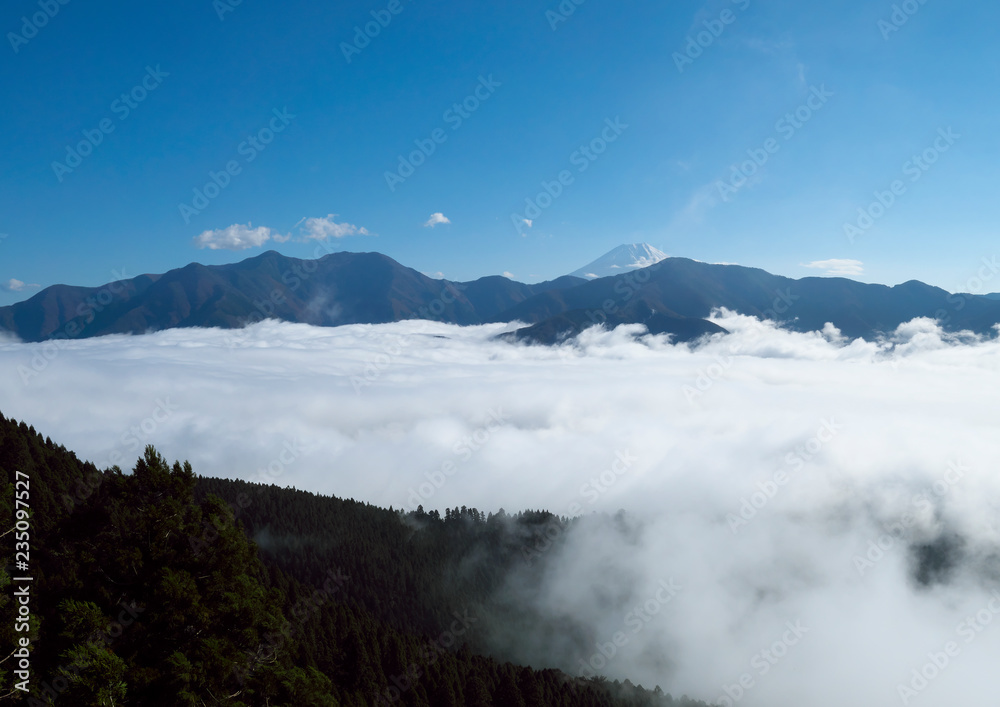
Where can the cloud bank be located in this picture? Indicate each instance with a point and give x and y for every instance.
(807, 520)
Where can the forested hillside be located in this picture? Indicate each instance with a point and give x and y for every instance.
(147, 590)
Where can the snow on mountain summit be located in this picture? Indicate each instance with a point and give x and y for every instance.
(622, 259)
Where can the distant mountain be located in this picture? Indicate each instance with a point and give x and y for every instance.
(687, 289)
(340, 288)
(673, 295)
(558, 328)
(624, 258)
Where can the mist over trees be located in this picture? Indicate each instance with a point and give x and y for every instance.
(160, 587)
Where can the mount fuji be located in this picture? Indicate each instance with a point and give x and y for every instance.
(622, 259)
(632, 284)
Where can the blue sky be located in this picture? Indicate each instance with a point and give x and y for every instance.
(550, 82)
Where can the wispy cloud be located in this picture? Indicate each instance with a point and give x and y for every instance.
(324, 228)
(240, 237)
(436, 219)
(15, 285)
(703, 200)
(837, 267)
(236, 237)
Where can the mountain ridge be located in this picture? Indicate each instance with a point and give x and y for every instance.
(673, 296)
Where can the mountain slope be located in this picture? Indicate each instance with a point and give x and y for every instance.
(340, 288)
(560, 327)
(692, 289)
(146, 590)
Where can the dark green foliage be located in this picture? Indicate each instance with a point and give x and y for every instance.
(148, 591)
(413, 570)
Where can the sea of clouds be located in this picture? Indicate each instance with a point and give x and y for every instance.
(831, 501)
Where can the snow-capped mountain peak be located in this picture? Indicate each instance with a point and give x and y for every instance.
(624, 258)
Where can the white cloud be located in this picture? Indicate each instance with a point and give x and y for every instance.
(435, 219)
(509, 275)
(906, 408)
(235, 237)
(837, 267)
(321, 229)
(703, 200)
(240, 237)
(15, 285)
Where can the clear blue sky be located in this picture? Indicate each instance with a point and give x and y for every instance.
(118, 210)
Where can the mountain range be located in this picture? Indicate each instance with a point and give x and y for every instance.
(667, 294)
